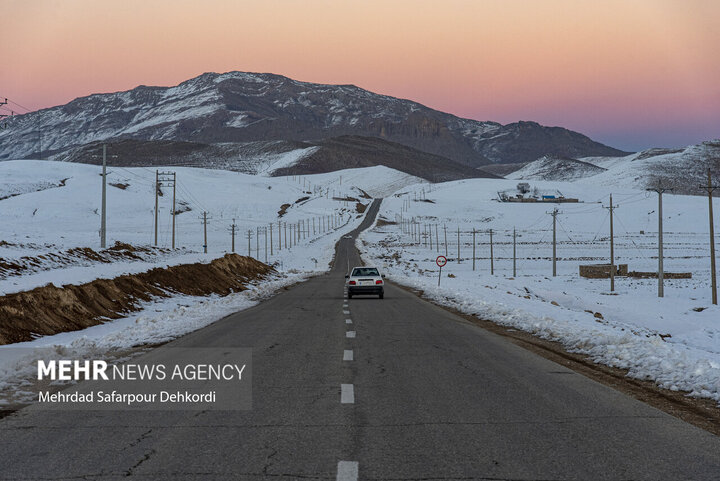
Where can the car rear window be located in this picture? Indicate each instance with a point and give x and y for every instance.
(365, 271)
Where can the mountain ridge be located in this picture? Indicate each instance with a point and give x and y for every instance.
(243, 107)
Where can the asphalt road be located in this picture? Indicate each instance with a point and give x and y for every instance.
(426, 396)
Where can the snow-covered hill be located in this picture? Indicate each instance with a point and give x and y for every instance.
(683, 170)
(555, 168)
(49, 208)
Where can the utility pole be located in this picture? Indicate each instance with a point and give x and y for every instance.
(430, 235)
(612, 246)
(205, 244)
(514, 253)
(271, 242)
(458, 259)
(249, 235)
(164, 179)
(473, 233)
(2, 116)
(103, 206)
(266, 244)
(446, 247)
(173, 211)
(492, 257)
(437, 239)
(157, 191)
(713, 280)
(661, 271)
(554, 214)
(257, 244)
(232, 230)
(104, 203)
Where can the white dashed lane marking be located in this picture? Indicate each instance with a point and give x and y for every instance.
(348, 321)
(350, 334)
(348, 355)
(347, 394)
(347, 471)
(346, 312)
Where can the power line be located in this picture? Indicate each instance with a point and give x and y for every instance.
(15, 103)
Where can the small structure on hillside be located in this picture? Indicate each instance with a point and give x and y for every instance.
(525, 193)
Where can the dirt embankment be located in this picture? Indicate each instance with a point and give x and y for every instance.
(50, 310)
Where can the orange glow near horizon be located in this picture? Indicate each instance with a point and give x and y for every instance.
(631, 74)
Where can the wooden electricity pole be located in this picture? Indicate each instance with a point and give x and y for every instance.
(492, 256)
(157, 190)
(713, 279)
(458, 246)
(164, 179)
(205, 244)
(612, 246)
(232, 233)
(554, 214)
(174, 181)
(661, 271)
(446, 247)
(103, 226)
(514, 253)
(473, 251)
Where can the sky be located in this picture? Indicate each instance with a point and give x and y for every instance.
(632, 74)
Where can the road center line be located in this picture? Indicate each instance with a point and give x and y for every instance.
(346, 312)
(347, 394)
(347, 471)
(350, 334)
(348, 321)
(348, 355)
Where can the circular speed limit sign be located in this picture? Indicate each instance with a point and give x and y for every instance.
(441, 261)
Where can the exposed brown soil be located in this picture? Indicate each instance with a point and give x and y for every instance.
(382, 221)
(283, 209)
(50, 310)
(703, 413)
(360, 207)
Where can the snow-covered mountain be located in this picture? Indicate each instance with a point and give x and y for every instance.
(555, 168)
(246, 107)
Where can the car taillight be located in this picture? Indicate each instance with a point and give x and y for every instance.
(352, 283)
(378, 282)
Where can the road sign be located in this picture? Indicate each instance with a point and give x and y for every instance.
(440, 261)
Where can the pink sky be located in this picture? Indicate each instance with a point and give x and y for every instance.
(632, 74)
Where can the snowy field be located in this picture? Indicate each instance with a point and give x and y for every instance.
(50, 209)
(674, 340)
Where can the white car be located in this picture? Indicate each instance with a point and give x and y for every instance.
(365, 280)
